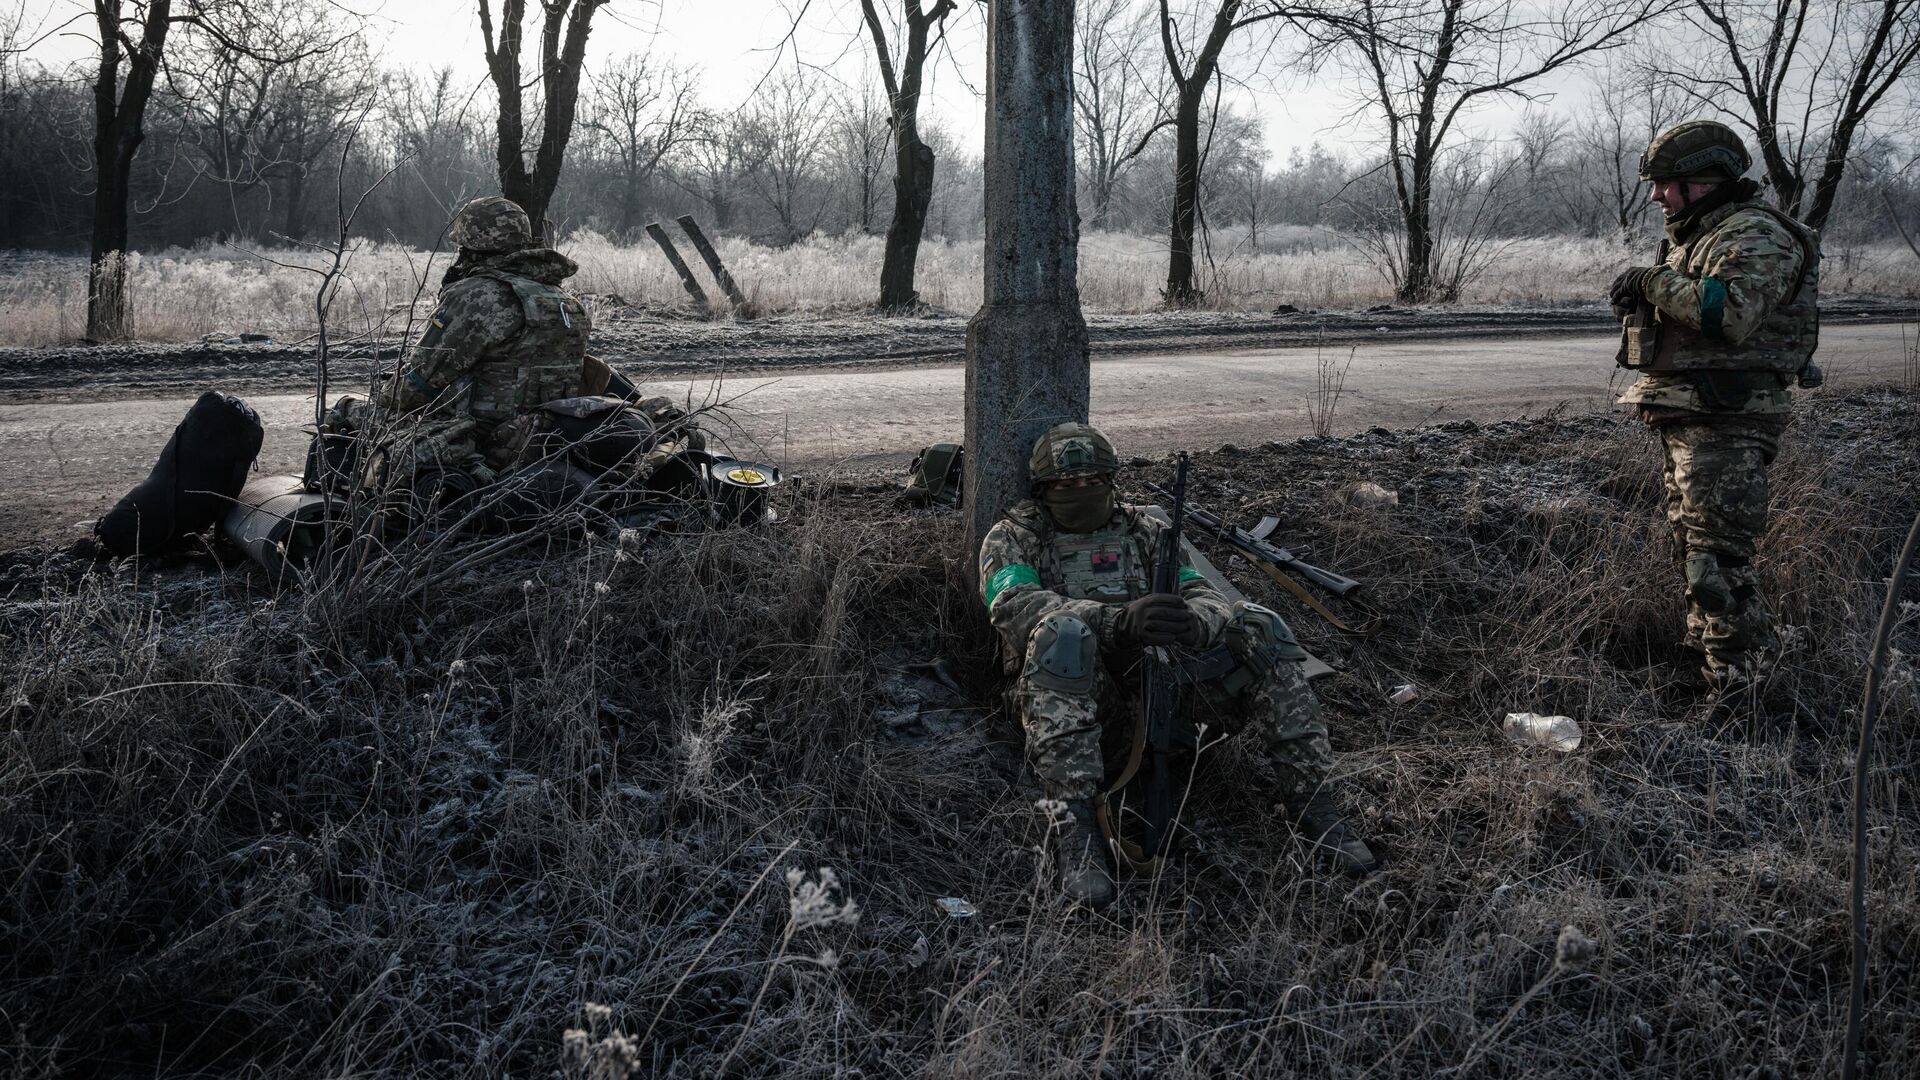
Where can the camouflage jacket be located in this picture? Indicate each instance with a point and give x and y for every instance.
(505, 338)
(1029, 568)
(1737, 305)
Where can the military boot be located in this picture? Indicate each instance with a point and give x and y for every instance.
(1080, 856)
(1321, 823)
(1734, 709)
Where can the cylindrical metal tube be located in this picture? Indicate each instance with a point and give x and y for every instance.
(278, 522)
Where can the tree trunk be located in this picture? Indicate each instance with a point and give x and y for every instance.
(1186, 196)
(119, 127)
(1417, 286)
(296, 198)
(107, 309)
(912, 196)
(1027, 346)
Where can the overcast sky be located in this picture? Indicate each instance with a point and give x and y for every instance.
(733, 44)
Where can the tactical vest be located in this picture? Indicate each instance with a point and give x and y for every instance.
(1784, 341)
(1112, 565)
(543, 362)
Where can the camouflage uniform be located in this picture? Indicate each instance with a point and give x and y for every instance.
(1067, 581)
(505, 338)
(1042, 585)
(1736, 307)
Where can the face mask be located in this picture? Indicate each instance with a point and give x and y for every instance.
(1080, 509)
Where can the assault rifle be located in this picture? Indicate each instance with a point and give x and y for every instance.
(1160, 681)
(1254, 545)
(1640, 331)
(1279, 564)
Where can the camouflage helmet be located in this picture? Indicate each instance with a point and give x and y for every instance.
(1695, 149)
(1071, 450)
(491, 223)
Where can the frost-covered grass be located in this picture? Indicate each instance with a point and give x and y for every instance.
(181, 295)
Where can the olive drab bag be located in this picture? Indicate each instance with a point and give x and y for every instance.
(935, 475)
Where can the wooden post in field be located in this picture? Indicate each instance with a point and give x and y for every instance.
(1027, 346)
(679, 266)
(712, 259)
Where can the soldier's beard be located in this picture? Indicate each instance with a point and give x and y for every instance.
(1080, 509)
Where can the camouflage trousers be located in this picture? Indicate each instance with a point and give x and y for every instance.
(1074, 732)
(1715, 474)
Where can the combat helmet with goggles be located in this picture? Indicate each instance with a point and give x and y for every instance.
(1069, 450)
(1699, 150)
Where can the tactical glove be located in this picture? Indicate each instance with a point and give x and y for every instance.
(1159, 619)
(1628, 291)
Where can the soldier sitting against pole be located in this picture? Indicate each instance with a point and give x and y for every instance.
(1065, 577)
(1732, 321)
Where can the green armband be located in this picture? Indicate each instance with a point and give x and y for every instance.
(1713, 307)
(1008, 576)
(1188, 573)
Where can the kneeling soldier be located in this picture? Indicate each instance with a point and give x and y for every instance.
(1066, 580)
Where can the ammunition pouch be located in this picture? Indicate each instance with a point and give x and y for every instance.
(1639, 345)
(1061, 655)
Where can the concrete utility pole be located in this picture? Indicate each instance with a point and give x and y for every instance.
(1027, 346)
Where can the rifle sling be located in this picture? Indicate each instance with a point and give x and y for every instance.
(1125, 851)
(1301, 594)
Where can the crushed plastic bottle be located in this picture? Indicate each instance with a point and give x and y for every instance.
(1553, 732)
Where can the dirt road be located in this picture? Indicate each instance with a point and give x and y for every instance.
(63, 464)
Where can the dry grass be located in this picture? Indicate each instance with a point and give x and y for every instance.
(530, 821)
(182, 295)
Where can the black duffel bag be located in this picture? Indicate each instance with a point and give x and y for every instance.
(195, 482)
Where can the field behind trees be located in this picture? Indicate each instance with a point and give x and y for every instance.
(224, 290)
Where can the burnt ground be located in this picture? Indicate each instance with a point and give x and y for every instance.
(349, 830)
(650, 344)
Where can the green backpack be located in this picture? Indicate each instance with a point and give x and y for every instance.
(935, 475)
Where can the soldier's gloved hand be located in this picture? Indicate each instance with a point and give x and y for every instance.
(1628, 291)
(1158, 619)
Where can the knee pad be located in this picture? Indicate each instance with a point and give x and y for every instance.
(1261, 641)
(1061, 654)
(1707, 584)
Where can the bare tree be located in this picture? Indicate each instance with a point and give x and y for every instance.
(264, 103)
(1116, 106)
(564, 25)
(440, 145)
(710, 167)
(643, 112)
(785, 129)
(862, 132)
(1804, 77)
(1623, 112)
(912, 157)
(1192, 70)
(131, 41)
(1424, 63)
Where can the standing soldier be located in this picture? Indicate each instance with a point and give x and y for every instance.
(1066, 579)
(1718, 331)
(505, 338)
